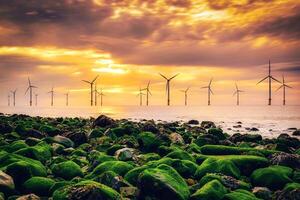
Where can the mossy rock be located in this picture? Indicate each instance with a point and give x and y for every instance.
(119, 167)
(49, 130)
(162, 182)
(213, 190)
(227, 181)
(112, 180)
(229, 150)
(63, 141)
(112, 150)
(15, 146)
(132, 175)
(217, 132)
(144, 158)
(185, 168)
(86, 190)
(58, 185)
(273, 177)
(193, 148)
(67, 170)
(95, 133)
(240, 195)
(38, 185)
(213, 165)
(182, 155)
(148, 141)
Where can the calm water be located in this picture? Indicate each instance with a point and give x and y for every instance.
(270, 120)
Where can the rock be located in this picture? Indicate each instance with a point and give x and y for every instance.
(237, 126)
(206, 139)
(29, 197)
(162, 182)
(254, 129)
(5, 127)
(78, 137)
(34, 133)
(212, 190)
(129, 192)
(49, 130)
(180, 154)
(119, 167)
(213, 165)
(7, 185)
(296, 132)
(290, 192)
(125, 154)
(273, 177)
(285, 159)
(86, 190)
(288, 141)
(67, 170)
(149, 126)
(193, 122)
(38, 185)
(103, 121)
(63, 140)
(185, 168)
(217, 132)
(262, 193)
(240, 194)
(207, 124)
(148, 141)
(95, 133)
(176, 138)
(237, 137)
(112, 180)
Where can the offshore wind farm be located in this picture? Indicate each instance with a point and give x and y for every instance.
(150, 100)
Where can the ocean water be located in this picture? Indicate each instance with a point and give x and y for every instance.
(270, 120)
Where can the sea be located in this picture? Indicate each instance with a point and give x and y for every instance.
(269, 120)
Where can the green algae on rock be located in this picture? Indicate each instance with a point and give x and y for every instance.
(67, 170)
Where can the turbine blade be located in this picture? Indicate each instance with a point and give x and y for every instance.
(288, 86)
(174, 76)
(148, 84)
(86, 81)
(204, 87)
(163, 76)
(236, 86)
(149, 92)
(262, 80)
(95, 79)
(210, 81)
(234, 93)
(29, 81)
(27, 89)
(211, 91)
(275, 79)
(279, 88)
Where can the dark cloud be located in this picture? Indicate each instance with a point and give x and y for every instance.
(179, 3)
(238, 5)
(292, 69)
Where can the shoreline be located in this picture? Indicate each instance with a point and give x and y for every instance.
(80, 158)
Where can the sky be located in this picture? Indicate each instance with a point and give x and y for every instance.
(129, 42)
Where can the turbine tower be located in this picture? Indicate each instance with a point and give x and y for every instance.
(52, 95)
(283, 86)
(14, 96)
(168, 86)
(30, 86)
(209, 91)
(91, 85)
(101, 94)
(185, 95)
(147, 93)
(67, 98)
(8, 99)
(140, 94)
(96, 94)
(36, 99)
(269, 77)
(237, 93)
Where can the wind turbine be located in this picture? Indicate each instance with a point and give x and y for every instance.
(185, 95)
(269, 77)
(52, 95)
(147, 93)
(36, 99)
(237, 93)
(8, 99)
(101, 94)
(91, 84)
(209, 90)
(67, 98)
(96, 94)
(14, 96)
(283, 85)
(140, 94)
(30, 86)
(168, 86)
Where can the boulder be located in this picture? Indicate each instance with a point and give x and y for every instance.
(103, 121)
(217, 132)
(237, 137)
(176, 138)
(7, 185)
(262, 193)
(38, 185)
(119, 167)
(29, 197)
(112, 180)
(296, 132)
(67, 170)
(290, 192)
(162, 182)
(148, 141)
(213, 190)
(78, 137)
(207, 124)
(240, 195)
(285, 159)
(63, 141)
(182, 155)
(86, 190)
(126, 154)
(193, 122)
(273, 177)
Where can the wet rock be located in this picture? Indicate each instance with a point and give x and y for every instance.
(290, 192)
(34, 133)
(285, 159)
(38, 185)
(126, 154)
(129, 192)
(193, 122)
(237, 137)
(29, 197)
(176, 138)
(78, 137)
(5, 128)
(217, 132)
(103, 121)
(149, 126)
(237, 126)
(63, 141)
(288, 141)
(67, 170)
(254, 129)
(262, 193)
(211, 190)
(296, 132)
(112, 180)
(208, 124)
(6, 183)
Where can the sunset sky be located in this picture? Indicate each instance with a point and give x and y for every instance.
(128, 42)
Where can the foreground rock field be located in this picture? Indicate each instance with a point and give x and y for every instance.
(87, 159)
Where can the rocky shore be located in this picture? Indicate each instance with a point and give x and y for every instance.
(103, 158)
